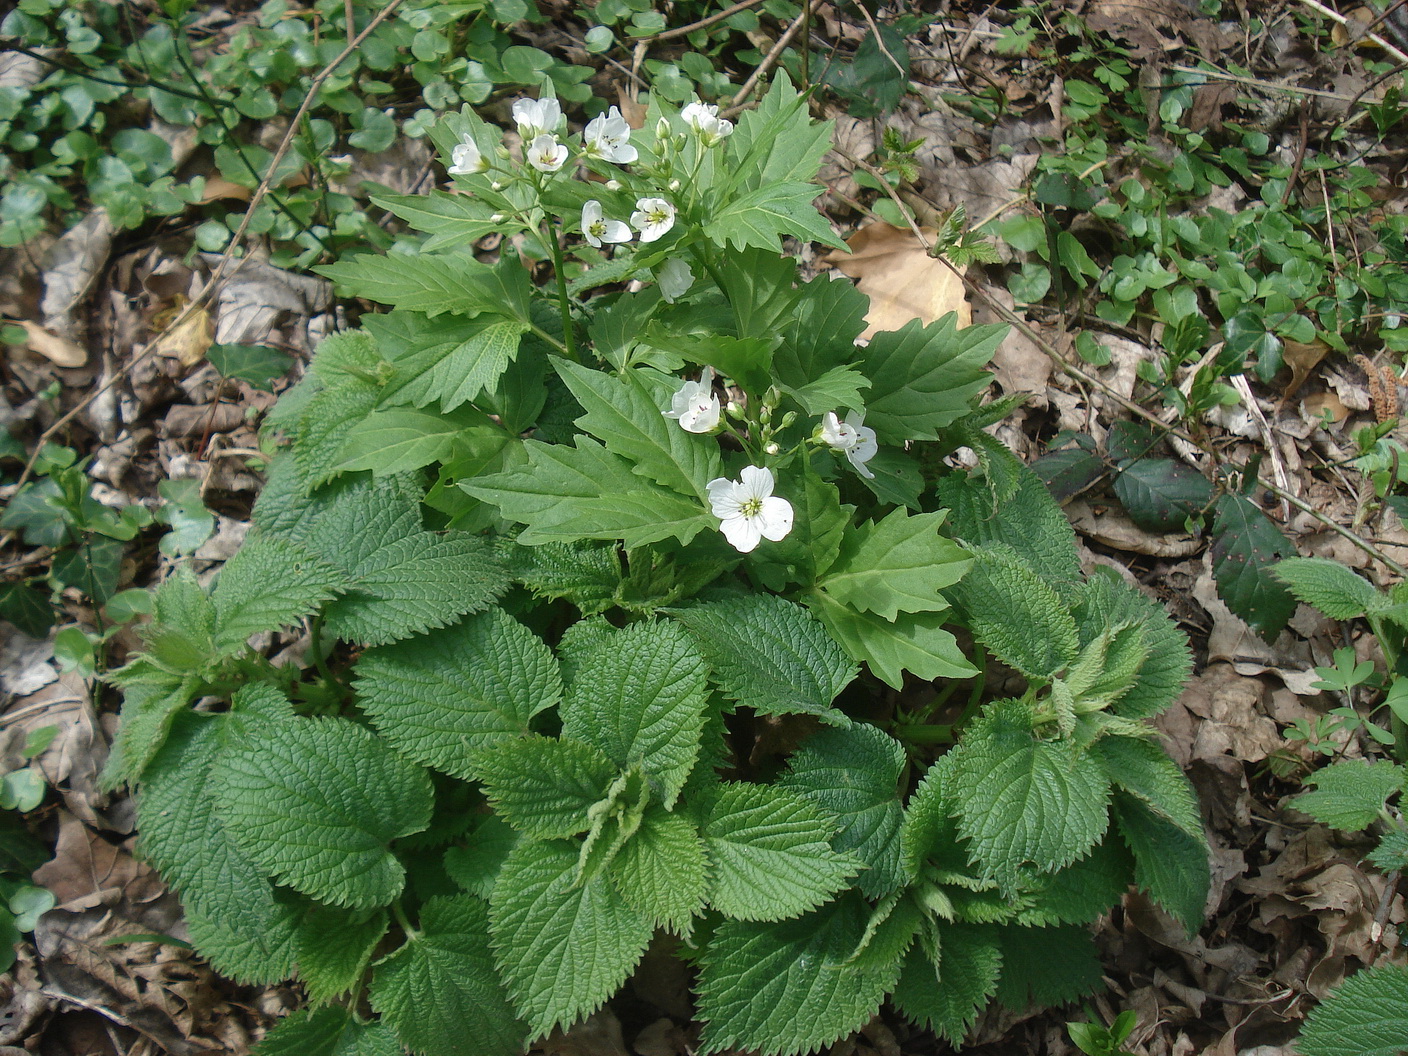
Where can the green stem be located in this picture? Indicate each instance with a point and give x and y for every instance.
(928, 734)
(315, 646)
(400, 914)
(564, 305)
(1389, 644)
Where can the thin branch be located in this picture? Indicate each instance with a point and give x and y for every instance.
(1335, 16)
(770, 59)
(703, 23)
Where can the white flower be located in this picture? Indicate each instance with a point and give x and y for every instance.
(675, 279)
(608, 137)
(653, 218)
(748, 509)
(704, 119)
(851, 438)
(466, 159)
(546, 154)
(536, 117)
(695, 404)
(598, 229)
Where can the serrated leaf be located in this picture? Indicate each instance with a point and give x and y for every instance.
(770, 654)
(270, 584)
(333, 947)
(662, 871)
(149, 707)
(1068, 472)
(1022, 800)
(1246, 546)
(770, 853)
(818, 335)
(622, 414)
(1082, 891)
(1328, 585)
(584, 492)
(1391, 855)
(853, 775)
(443, 696)
(317, 802)
(450, 219)
(544, 787)
(1366, 1016)
(922, 378)
(839, 387)
(771, 144)
(401, 439)
(586, 574)
(947, 998)
(1160, 494)
(475, 865)
(898, 564)
(1350, 794)
(757, 217)
(1144, 770)
(258, 365)
(639, 696)
(914, 642)
(819, 521)
(328, 1031)
(440, 991)
(1169, 864)
(929, 829)
(255, 950)
(1106, 602)
(787, 988)
(1047, 966)
(1016, 614)
(437, 283)
(562, 947)
(324, 425)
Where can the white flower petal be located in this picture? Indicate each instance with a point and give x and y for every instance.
(743, 533)
(675, 279)
(775, 521)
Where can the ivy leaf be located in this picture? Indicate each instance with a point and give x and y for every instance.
(853, 774)
(770, 654)
(316, 802)
(1170, 864)
(923, 377)
(270, 584)
(914, 642)
(662, 871)
(789, 988)
(1245, 548)
(27, 608)
(328, 1031)
(898, 564)
(1160, 494)
(440, 990)
(1017, 614)
(770, 853)
(639, 696)
(622, 414)
(443, 696)
(544, 787)
(1366, 1016)
(562, 947)
(1332, 588)
(1022, 800)
(1350, 794)
(258, 365)
(585, 492)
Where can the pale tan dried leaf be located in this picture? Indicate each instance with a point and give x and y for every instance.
(217, 187)
(188, 340)
(1302, 357)
(1322, 404)
(59, 351)
(892, 267)
(72, 266)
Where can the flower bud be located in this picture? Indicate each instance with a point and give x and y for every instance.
(496, 185)
(662, 129)
(787, 419)
(497, 218)
(674, 185)
(613, 185)
(771, 448)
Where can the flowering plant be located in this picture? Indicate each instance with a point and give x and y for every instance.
(561, 549)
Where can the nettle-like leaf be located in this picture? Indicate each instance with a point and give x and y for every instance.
(562, 946)
(789, 988)
(1246, 546)
(1350, 794)
(854, 774)
(322, 429)
(1366, 1016)
(1107, 602)
(623, 416)
(923, 377)
(770, 853)
(255, 951)
(586, 574)
(898, 564)
(544, 787)
(662, 871)
(440, 991)
(1169, 863)
(317, 802)
(328, 1031)
(639, 696)
(403, 579)
(152, 700)
(1047, 966)
(770, 654)
(567, 493)
(270, 584)
(1022, 800)
(914, 642)
(443, 696)
(947, 998)
(1145, 771)
(334, 947)
(1016, 614)
(1391, 855)
(1332, 588)
(1081, 892)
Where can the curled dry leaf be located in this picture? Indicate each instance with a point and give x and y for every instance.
(58, 350)
(189, 339)
(893, 268)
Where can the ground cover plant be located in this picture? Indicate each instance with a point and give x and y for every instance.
(524, 770)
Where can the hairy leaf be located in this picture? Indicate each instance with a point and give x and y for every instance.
(1366, 1016)
(255, 950)
(328, 1031)
(1350, 794)
(947, 998)
(662, 871)
(1107, 602)
(1144, 770)
(334, 947)
(1170, 864)
(1328, 585)
(544, 787)
(268, 585)
(1047, 966)
(1016, 614)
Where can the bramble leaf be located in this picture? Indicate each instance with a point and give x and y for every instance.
(1246, 546)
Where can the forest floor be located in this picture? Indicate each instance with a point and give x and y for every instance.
(1294, 909)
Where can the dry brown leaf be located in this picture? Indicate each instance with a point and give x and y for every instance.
(188, 340)
(59, 351)
(217, 187)
(1302, 357)
(1320, 404)
(903, 282)
(631, 108)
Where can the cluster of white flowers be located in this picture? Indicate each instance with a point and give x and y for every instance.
(704, 120)
(851, 438)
